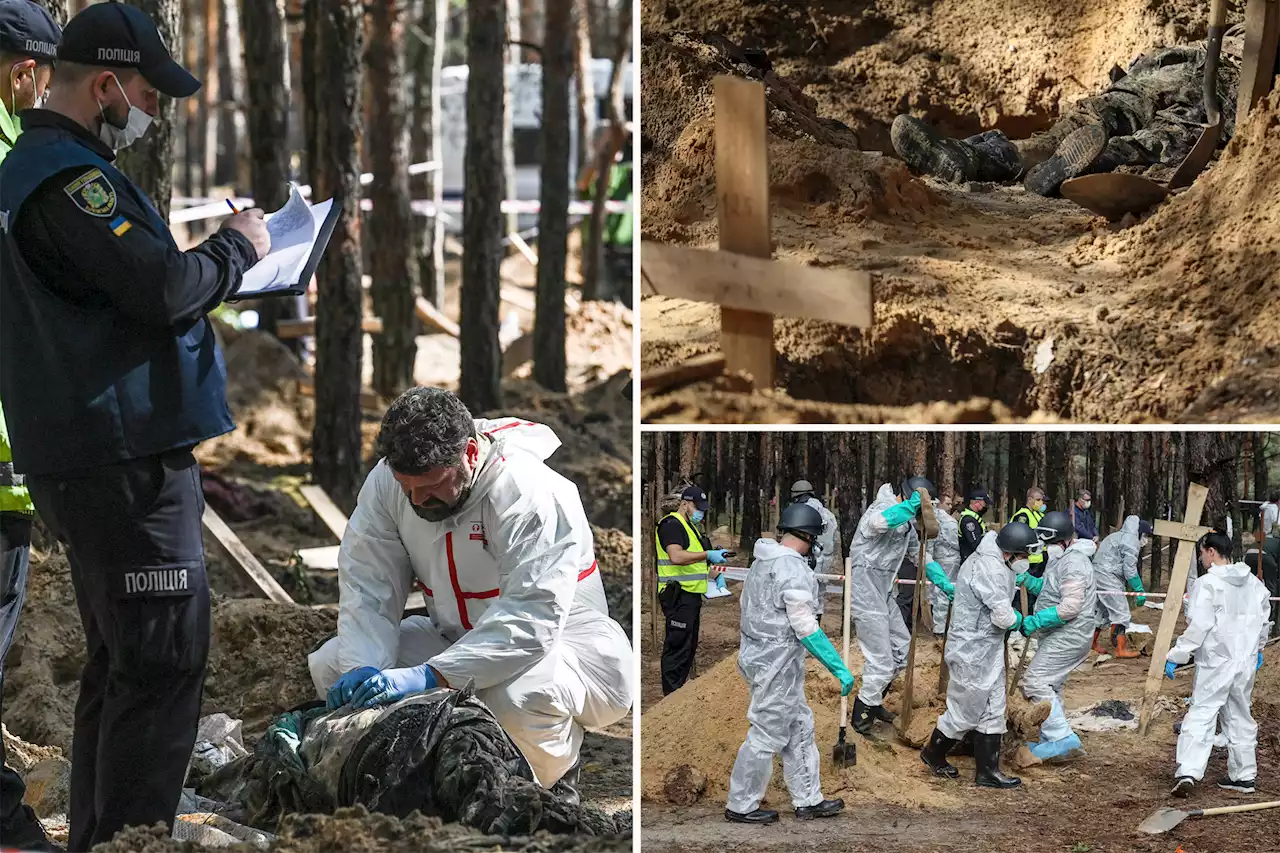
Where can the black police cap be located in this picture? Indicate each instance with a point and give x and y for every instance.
(28, 30)
(114, 35)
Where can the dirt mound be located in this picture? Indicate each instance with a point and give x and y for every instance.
(359, 831)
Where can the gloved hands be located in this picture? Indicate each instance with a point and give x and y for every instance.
(1032, 583)
(716, 556)
(392, 685)
(1047, 618)
(935, 573)
(820, 647)
(1169, 667)
(1021, 579)
(846, 682)
(1135, 584)
(341, 691)
(899, 514)
(1017, 621)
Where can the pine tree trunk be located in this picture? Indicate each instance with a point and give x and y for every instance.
(549, 366)
(1003, 452)
(512, 58)
(149, 161)
(1153, 453)
(208, 94)
(817, 467)
(336, 442)
(1261, 481)
(59, 9)
(592, 255)
(1111, 481)
(233, 159)
(394, 268)
(1057, 462)
(751, 462)
(482, 220)
(972, 462)
(425, 142)
(584, 83)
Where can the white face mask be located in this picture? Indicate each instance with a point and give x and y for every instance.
(1020, 566)
(135, 126)
(1144, 541)
(1086, 504)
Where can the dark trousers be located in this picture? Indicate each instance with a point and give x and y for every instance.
(906, 594)
(683, 611)
(15, 550)
(137, 564)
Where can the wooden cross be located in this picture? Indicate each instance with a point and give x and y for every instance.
(1188, 533)
(749, 287)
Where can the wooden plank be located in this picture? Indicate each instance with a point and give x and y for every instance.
(242, 558)
(287, 329)
(1179, 530)
(523, 248)
(368, 399)
(322, 559)
(737, 281)
(333, 518)
(742, 201)
(1261, 41)
(694, 370)
(433, 316)
(1196, 497)
(908, 682)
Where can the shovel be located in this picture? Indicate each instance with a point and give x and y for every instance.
(845, 754)
(928, 530)
(1165, 819)
(1113, 194)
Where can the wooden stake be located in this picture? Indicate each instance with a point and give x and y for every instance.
(1196, 497)
(694, 370)
(909, 682)
(1026, 646)
(1261, 41)
(333, 518)
(242, 558)
(742, 193)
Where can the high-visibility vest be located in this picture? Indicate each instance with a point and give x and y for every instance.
(981, 524)
(1033, 520)
(13, 494)
(693, 577)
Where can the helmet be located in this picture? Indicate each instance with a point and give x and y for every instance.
(1018, 538)
(800, 488)
(1055, 526)
(801, 518)
(910, 485)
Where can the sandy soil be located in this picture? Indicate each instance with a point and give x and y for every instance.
(1160, 320)
(257, 665)
(893, 804)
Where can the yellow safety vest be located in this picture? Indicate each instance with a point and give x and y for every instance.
(981, 524)
(1033, 519)
(13, 494)
(693, 577)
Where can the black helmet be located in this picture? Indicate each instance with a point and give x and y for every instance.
(1017, 538)
(801, 518)
(1055, 526)
(801, 488)
(910, 485)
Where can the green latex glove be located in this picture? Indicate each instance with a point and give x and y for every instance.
(899, 514)
(1017, 621)
(1047, 618)
(1135, 584)
(1032, 583)
(935, 573)
(820, 647)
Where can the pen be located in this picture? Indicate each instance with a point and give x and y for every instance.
(232, 206)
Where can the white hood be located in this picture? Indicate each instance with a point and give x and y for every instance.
(1086, 547)
(770, 549)
(988, 547)
(1236, 574)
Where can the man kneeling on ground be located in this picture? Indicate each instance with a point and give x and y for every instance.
(468, 510)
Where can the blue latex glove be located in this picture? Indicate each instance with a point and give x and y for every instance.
(342, 690)
(1047, 618)
(1135, 584)
(934, 572)
(820, 647)
(1259, 666)
(1168, 669)
(899, 514)
(716, 557)
(392, 685)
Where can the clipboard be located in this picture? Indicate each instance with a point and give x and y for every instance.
(301, 275)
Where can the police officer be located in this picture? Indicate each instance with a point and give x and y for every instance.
(110, 374)
(28, 44)
(972, 527)
(1030, 515)
(683, 558)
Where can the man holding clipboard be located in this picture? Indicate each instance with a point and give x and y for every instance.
(111, 374)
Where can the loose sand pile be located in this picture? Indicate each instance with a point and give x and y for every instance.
(972, 282)
(713, 708)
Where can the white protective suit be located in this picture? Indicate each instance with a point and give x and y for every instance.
(778, 608)
(513, 593)
(1113, 565)
(1069, 586)
(983, 611)
(945, 551)
(876, 555)
(1230, 620)
(828, 559)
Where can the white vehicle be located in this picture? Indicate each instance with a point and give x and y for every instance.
(524, 89)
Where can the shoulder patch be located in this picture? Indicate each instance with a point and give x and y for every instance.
(92, 193)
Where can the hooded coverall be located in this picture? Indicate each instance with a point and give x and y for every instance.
(876, 553)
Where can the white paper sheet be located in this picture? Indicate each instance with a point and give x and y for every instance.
(293, 229)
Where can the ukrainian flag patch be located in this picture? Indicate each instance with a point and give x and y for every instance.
(119, 225)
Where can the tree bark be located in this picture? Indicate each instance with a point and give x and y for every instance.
(508, 130)
(149, 161)
(210, 115)
(751, 460)
(1057, 465)
(425, 142)
(1111, 508)
(336, 442)
(394, 268)
(972, 461)
(1003, 452)
(549, 367)
(482, 221)
(591, 253)
(233, 160)
(59, 9)
(584, 83)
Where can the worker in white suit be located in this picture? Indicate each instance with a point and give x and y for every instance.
(468, 511)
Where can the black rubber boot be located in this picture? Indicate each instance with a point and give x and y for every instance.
(567, 787)
(760, 816)
(1072, 158)
(935, 755)
(26, 833)
(986, 752)
(863, 717)
(988, 156)
(883, 714)
(964, 746)
(826, 808)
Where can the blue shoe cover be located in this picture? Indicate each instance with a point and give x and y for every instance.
(1057, 749)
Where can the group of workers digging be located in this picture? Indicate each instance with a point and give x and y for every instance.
(1077, 588)
(112, 374)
